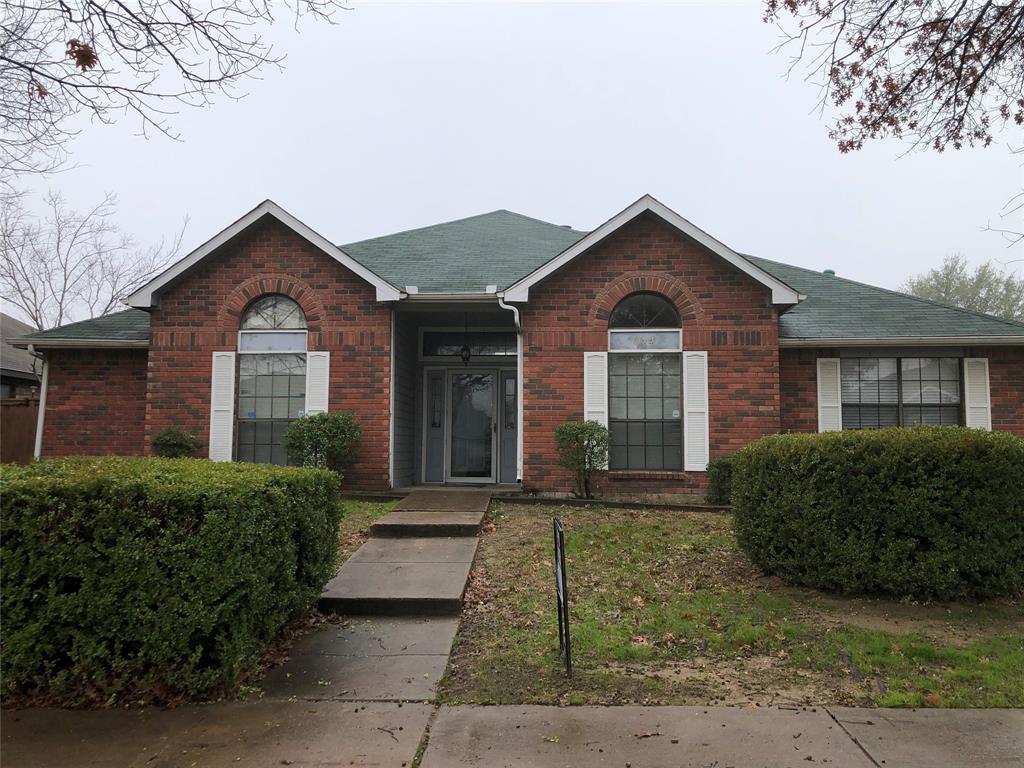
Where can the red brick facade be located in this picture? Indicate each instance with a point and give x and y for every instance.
(199, 314)
(113, 401)
(95, 402)
(723, 311)
(799, 377)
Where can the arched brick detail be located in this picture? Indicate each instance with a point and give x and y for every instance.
(667, 285)
(230, 314)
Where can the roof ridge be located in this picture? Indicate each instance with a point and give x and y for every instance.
(431, 226)
(562, 227)
(943, 305)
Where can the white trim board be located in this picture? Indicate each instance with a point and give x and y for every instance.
(899, 341)
(781, 293)
(145, 296)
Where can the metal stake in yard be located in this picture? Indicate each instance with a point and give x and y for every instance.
(562, 597)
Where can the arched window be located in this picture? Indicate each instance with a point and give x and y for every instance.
(271, 377)
(644, 385)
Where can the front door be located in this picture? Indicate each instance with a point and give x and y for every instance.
(472, 429)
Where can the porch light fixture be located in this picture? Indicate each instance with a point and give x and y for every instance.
(464, 351)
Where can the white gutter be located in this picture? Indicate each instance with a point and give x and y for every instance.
(54, 343)
(519, 384)
(37, 450)
(898, 341)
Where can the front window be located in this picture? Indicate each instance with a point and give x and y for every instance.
(271, 377)
(888, 391)
(644, 385)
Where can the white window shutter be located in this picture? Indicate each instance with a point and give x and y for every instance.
(830, 399)
(318, 379)
(222, 406)
(696, 424)
(595, 387)
(977, 401)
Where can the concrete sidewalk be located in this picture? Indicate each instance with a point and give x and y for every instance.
(268, 734)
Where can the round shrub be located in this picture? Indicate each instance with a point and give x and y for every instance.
(927, 512)
(583, 448)
(176, 443)
(720, 480)
(324, 441)
(154, 579)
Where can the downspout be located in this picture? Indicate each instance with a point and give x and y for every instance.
(519, 385)
(37, 450)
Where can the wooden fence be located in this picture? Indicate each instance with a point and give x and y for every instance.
(18, 429)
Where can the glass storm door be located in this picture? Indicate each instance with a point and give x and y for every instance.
(472, 426)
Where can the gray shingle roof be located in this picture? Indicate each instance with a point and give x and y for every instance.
(499, 248)
(839, 308)
(15, 362)
(467, 255)
(128, 325)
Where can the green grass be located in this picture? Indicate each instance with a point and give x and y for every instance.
(665, 609)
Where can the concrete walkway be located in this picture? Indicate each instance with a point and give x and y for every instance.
(417, 560)
(269, 734)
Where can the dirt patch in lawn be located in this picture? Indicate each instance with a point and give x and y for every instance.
(667, 610)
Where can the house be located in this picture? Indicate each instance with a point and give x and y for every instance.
(461, 346)
(18, 376)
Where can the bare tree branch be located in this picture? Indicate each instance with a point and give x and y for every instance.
(941, 73)
(66, 265)
(110, 58)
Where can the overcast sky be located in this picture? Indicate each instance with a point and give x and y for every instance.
(403, 115)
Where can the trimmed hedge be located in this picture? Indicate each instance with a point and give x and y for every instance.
(928, 512)
(155, 579)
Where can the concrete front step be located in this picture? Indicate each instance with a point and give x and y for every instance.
(402, 577)
(417, 524)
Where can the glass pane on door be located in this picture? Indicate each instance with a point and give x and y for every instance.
(472, 420)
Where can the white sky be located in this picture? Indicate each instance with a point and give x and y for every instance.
(403, 115)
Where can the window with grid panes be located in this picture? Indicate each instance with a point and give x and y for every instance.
(889, 391)
(644, 385)
(271, 378)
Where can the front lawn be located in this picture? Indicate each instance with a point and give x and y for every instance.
(356, 519)
(667, 610)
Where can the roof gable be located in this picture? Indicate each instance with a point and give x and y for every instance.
(781, 293)
(146, 296)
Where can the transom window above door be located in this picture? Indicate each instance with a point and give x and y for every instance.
(271, 377)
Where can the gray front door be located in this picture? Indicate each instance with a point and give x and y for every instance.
(508, 428)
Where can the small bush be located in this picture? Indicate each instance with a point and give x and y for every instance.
(324, 441)
(583, 448)
(720, 481)
(176, 443)
(154, 579)
(929, 512)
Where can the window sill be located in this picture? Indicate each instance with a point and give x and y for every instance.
(635, 474)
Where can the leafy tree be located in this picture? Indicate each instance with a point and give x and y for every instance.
(944, 73)
(988, 289)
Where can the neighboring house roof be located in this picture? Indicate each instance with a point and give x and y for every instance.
(128, 328)
(15, 363)
(465, 256)
(507, 252)
(843, 311)
(146, 296)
